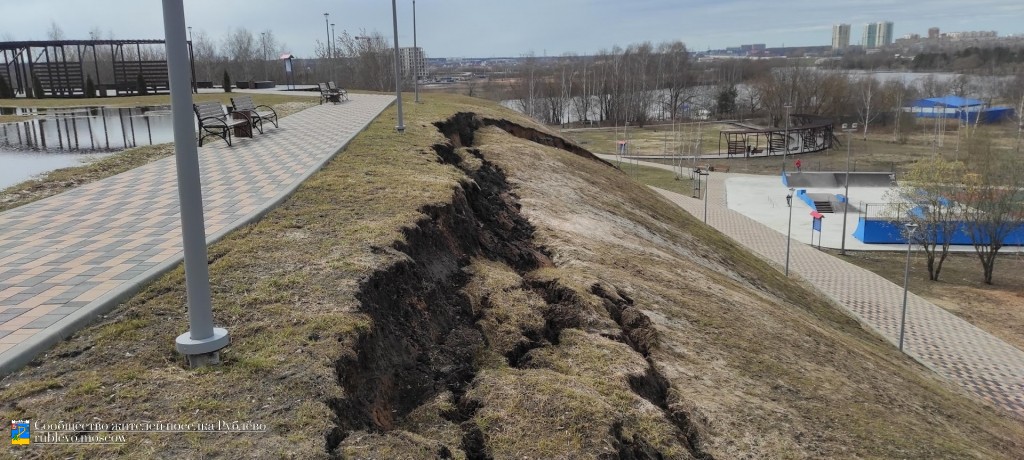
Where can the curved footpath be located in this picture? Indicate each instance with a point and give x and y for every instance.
(955, 349)
(66, 259)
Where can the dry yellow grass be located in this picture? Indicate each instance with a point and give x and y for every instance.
(638, 330)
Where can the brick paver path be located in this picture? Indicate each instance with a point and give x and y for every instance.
(970, 357)
(67, 258)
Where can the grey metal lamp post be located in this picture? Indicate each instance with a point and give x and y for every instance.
(398, 81)
(707, 187)
(911, 233)
(263, 38)
(415, 56)
(327, 24)
(789, 231)
(846, 194)
(785, 144)
(202, 343)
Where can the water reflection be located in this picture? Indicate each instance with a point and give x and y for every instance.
(21, 166)
(86, 129)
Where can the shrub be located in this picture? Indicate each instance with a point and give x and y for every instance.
(227, 82)
(37, 86)
(141, 82)
(5, 90)
(90, 87)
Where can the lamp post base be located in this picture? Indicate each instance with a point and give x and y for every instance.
(202, 352)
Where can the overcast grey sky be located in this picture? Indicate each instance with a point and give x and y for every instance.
(488, 28)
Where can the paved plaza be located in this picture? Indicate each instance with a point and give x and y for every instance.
(68, 258)
(966, 355)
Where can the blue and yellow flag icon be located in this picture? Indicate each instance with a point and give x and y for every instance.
(21, 434)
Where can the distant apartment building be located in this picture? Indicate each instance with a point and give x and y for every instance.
(885, 35)
(972, 35)
(877, 34)
(840, 36)
(933, 33)
(869, 39)
(412, 60)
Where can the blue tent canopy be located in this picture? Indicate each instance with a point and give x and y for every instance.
(948, 101)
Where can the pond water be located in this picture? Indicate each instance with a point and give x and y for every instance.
(61, 137)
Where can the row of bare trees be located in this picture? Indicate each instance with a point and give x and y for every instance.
(644, 82)
(980, 199)
(633, 84)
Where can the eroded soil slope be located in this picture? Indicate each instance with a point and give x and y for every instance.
(568, 313)
(479, 288)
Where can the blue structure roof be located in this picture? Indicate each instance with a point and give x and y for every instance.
(948, 101)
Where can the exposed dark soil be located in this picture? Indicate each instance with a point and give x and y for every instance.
(425, 339)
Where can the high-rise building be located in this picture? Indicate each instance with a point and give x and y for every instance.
(884, 34)
(877, 35)
(870, 38)
(933, 33)
(840, 36)
(411, 57)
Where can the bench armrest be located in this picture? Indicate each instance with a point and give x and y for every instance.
(271, 109)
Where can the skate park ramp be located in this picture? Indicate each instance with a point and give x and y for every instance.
(831, 179)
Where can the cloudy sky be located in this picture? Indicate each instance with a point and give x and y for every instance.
(489, 28)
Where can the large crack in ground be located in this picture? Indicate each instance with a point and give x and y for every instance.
(425, 337)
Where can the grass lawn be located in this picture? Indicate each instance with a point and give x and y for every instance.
(656, 177)
(877, 153)
(641, 332)
(996, 308)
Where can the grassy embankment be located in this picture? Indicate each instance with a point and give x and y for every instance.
(64, 179)
(617, 324)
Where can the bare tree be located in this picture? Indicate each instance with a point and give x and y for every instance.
(992, 199)
(867, 89)
(204, 51)
(926, 197)
(896, 93)
(241, 49)
(55, 32)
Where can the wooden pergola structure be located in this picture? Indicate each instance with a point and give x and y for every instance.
(807, 133)
(61, 67)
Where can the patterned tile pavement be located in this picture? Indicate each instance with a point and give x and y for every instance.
(968, 356)
(67, 258)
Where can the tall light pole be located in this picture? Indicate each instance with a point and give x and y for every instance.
(327, 25)
(789, 232)
(334, 39)
(846, 194)
(911, 233)
(707, 188)
(189, 34)
(398, 81)
(202, 343)
(263, 38)
(415, 56)
(785, 145)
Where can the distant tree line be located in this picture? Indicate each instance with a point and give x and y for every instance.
(971, 59)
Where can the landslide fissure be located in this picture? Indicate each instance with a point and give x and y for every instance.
(424, 337)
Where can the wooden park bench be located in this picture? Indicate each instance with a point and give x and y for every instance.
(326, 95)
(342, 94)
(214, 122)
(257, 113)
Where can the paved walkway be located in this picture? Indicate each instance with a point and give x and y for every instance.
(972, 358)
(68, 258)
